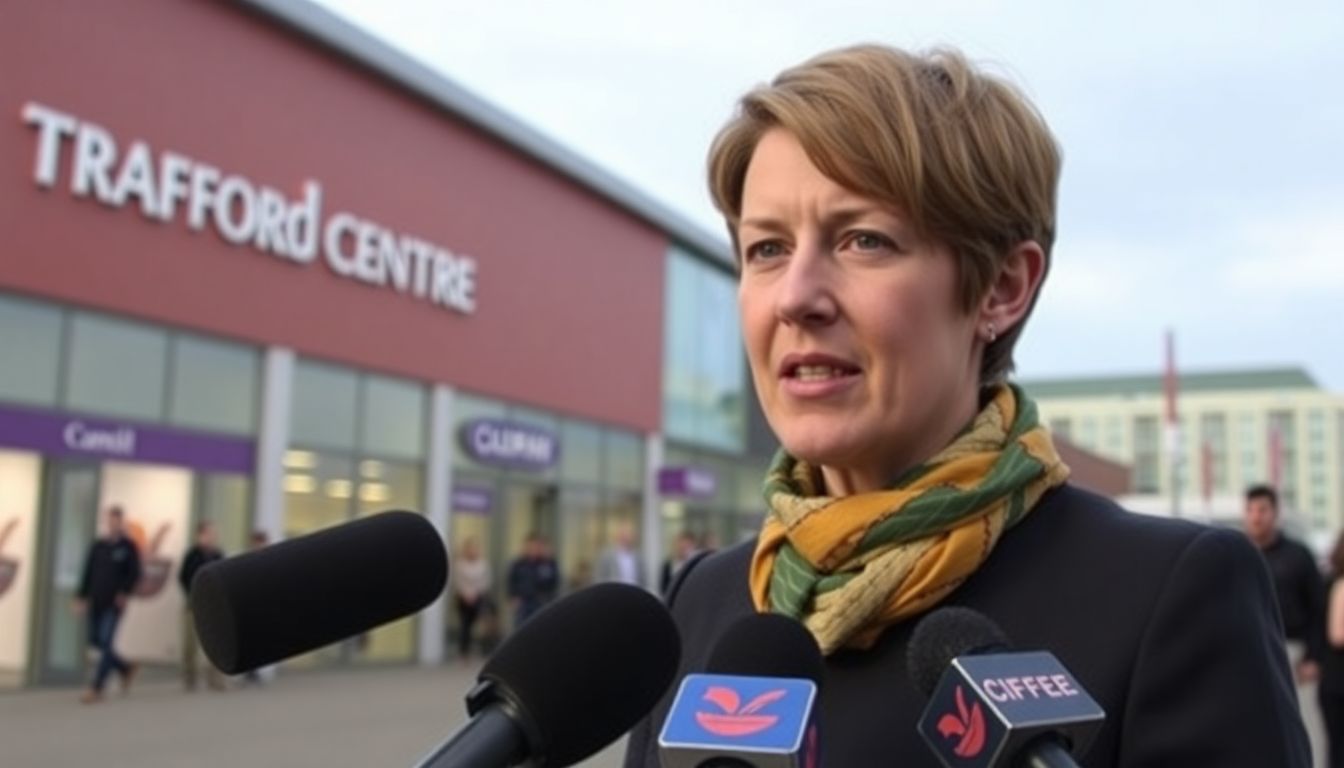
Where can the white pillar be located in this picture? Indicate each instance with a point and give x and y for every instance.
(272, 442)
(268, 488)
(438, 501)
(652, 526)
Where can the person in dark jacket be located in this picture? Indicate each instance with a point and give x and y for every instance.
(1331, 690)
(893, 216)
(1297, 580)
(203, 552)
(111, 571)
(534, 579)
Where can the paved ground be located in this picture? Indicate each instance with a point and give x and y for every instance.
(362, 717)
(379, 718)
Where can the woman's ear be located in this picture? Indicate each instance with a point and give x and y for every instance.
(1010, 295)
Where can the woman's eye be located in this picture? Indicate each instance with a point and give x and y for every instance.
(869, 241)
(764, 250)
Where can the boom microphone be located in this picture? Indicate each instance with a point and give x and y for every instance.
(576, 676)
(992, 707)
(301, 594)
(755, 706)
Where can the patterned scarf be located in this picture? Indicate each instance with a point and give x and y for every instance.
(851, 566)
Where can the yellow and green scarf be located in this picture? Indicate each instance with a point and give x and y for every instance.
(851, 566)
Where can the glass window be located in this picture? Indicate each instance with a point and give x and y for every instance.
(30, 351)
(116, 367)
(582, 536)
(324, 405)
(1147, 460)
(226, 500)
(1062, 428)
(214, 385)
(318, 489)
(581, 453)
(704, 385)
(624, 460)
(385, 485)
(393, 417)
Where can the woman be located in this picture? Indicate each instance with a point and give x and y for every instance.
(471, 593)
(1331, 690)
(893, 217)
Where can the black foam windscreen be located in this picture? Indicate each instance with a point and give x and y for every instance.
(767, 645)
(301, 594)
(585, 669)
(942, 636)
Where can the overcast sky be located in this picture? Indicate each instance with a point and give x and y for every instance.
(1203, 184)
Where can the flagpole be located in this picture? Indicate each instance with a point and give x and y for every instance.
(1173, 424)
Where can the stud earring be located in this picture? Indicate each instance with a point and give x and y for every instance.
(990, 333)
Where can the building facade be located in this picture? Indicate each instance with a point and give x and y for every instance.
(264, 270)
(1236, 429)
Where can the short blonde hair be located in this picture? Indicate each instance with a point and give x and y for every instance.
(963, 153)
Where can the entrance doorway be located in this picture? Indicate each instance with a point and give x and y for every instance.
(69, 523)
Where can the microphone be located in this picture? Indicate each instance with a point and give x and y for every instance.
(576, 676)
(298, 595)
(755, 706)
(992, 707)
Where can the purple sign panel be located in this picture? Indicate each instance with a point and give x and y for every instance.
(691, 482)
(509, 444)
(473, 500)
(61, 434)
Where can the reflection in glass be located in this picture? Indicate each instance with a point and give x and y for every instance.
(215, 385)
(580, 452)
(30, 349)
(624, 453)
(704, 395)
(400, 487)
(116, 367)
(393, 417)
(324, 401)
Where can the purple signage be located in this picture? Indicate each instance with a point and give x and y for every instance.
(692, 482)
(509, 444)
(61, 434)
(473, 500)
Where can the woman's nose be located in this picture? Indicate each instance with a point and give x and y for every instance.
(807, 289)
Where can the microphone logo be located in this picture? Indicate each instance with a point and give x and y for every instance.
(967, 725)
(734, 721)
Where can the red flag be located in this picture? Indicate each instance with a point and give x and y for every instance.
(1275, 455)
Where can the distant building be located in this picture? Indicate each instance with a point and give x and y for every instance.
(1236, 428)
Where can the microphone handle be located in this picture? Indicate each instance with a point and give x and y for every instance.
(491, 739)
(1045, 752)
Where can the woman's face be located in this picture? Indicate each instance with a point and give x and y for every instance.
(862, 358)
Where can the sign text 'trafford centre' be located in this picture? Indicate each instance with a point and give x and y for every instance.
(244, 213)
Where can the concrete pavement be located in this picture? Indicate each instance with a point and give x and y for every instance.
(358, 717)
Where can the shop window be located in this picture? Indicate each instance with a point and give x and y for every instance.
(226, 500)
(116, 367)
(384, 485)
(581, 453)
(393, 417)
(624, 453)
(324, 405)
(30, 350)
(214, 385)
(704, 384)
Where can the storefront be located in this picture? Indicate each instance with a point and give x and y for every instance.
(57, 472)
(253, 230)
